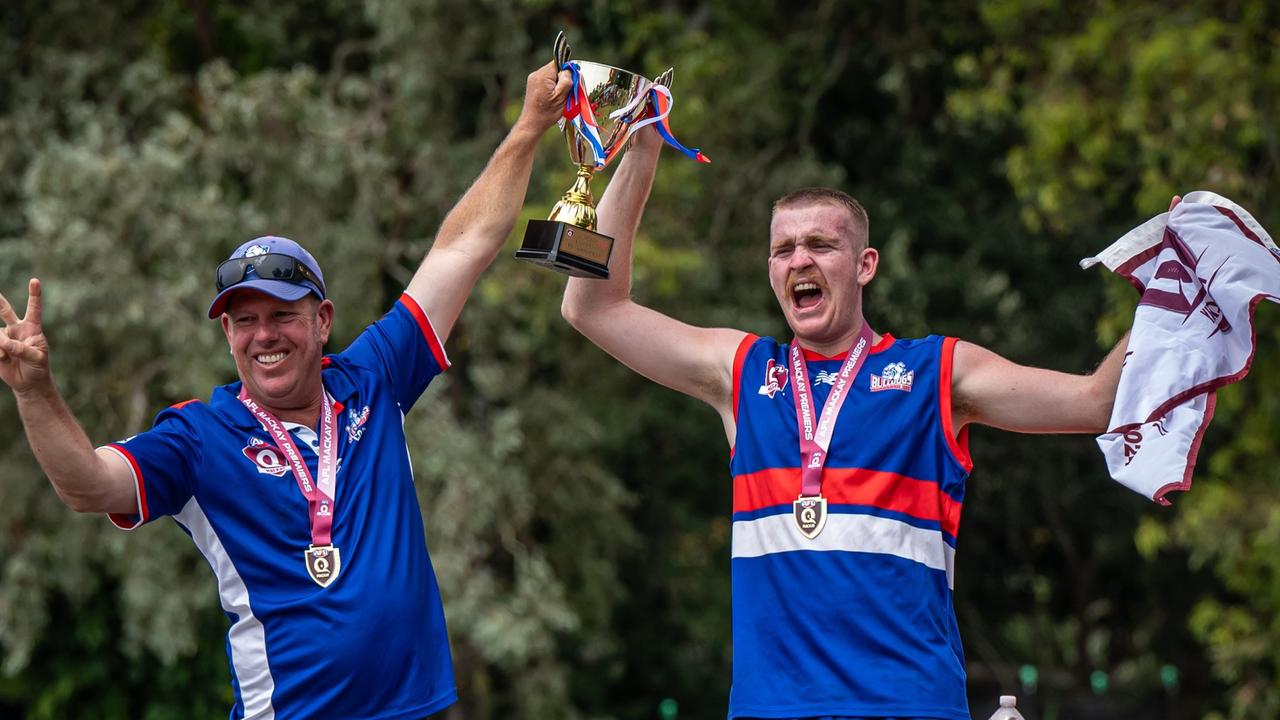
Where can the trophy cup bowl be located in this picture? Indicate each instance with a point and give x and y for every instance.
(567, 240)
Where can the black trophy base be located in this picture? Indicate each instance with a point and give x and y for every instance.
(566, 248)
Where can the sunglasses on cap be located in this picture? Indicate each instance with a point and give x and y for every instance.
(268, 266)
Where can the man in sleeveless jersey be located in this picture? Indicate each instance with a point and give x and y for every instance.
(295, 482)
(848, 455)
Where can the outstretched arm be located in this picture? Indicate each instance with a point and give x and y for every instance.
(693, 360)
(87, 481)
(474, 230)
(991, 390)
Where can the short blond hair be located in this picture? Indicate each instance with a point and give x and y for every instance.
(830, 196)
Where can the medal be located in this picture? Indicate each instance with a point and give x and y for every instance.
(810, 509)
(811, 514)
(321, 558)
(323, 563)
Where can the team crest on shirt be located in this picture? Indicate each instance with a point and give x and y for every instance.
(895, 376)
(775, 379)
(266, 458)
(356, 423)
(256, 250)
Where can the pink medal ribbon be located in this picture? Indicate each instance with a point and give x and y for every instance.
(810, 508)
(322, 558)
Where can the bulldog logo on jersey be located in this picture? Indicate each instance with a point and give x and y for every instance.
(775, 379)
(355, 423)
(895, 376)
(266, 458)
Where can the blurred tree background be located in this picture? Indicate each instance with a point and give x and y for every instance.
(578, 517)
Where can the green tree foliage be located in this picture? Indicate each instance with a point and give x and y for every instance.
(1118, 109)
(578, 517)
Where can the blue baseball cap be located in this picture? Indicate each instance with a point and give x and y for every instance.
(289, 289)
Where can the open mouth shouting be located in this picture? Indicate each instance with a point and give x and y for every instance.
(806, 294)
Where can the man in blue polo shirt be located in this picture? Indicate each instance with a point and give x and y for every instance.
(295, 482)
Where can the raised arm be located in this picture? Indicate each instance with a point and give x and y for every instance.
(87, 481)
(990, 390)
(474, 230)
(693, 360)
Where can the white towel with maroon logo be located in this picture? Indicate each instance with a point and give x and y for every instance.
(1201, 269)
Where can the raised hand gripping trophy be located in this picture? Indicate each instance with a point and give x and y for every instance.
(604, 108)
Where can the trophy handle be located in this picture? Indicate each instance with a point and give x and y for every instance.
(560, 50)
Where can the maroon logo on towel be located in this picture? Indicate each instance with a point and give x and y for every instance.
(1176, 287)
(1133, 439)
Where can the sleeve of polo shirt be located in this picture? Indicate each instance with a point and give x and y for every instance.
(164, 460)
(404, 348)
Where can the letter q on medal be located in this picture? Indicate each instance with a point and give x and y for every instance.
(810, 514)
(323, 563)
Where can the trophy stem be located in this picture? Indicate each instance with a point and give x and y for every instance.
(577, 207)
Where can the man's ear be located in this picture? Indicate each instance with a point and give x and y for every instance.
(868, 261)
(324, 319)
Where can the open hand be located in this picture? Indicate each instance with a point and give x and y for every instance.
(24, 352)
(544, 95)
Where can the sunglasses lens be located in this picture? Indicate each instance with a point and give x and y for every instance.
(275, 267)
(268, 267)
(230, 273)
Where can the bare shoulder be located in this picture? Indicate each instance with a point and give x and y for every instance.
(971, 359)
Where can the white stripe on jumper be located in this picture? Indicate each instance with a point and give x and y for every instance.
(849, 533)
(247, 638)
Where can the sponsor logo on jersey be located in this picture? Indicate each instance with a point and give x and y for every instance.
(775, 379)
(268, 459)
(825, 377)
(356, 423)
(256, 250)
(895, 376)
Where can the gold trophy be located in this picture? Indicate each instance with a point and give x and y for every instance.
(615, 100)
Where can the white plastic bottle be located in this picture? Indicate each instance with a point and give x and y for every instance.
(1008, 709)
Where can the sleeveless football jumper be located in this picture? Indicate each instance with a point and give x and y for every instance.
(857, 621)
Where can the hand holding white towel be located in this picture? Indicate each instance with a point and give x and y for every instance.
(1201, 269)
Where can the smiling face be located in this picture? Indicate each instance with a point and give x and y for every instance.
(818, 264)
(277, 346)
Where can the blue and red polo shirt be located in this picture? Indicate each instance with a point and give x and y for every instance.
(856, 622)
(371, 645)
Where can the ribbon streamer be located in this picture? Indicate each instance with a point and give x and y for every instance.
(661, 101)
(657, 103)
(577, 110)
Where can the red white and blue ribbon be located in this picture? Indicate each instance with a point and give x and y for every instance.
(656, 104)
(578, 110)
(660, 103)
